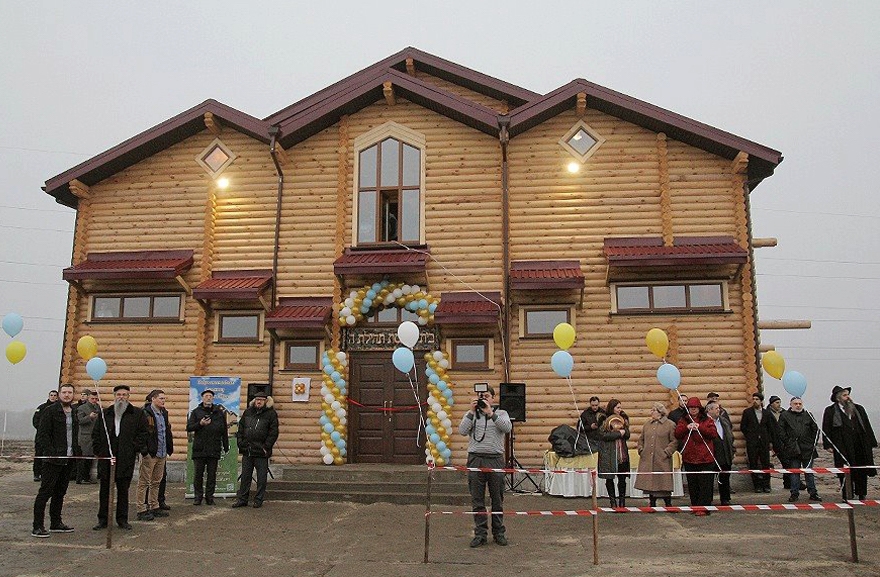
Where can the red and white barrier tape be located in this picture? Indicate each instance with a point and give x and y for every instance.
(578, 513)
(814, 470)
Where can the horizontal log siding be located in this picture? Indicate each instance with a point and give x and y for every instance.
(557, 215)
(471, 95)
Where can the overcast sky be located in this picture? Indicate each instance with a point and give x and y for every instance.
(78, 78)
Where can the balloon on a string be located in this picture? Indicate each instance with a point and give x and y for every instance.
(562, 363)
(795, 383)
(12, 324)
(87, 347)
(669, 376)
(774, 364)
(408, 333)
(15, 352)
(403, 359)
(96, 368)
(658, 342)
(563, 336)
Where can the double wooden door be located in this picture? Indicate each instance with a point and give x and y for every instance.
(383, 413)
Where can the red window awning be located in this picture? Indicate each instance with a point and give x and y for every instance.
(546, 274)
(357, 261)
(468, 308)
(300, 313)
(147, 264)
(689, 250)
(234, 285)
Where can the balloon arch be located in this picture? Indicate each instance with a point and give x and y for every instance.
(361, 303)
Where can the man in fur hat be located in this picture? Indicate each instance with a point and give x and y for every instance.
(257, 433)
(849, 436)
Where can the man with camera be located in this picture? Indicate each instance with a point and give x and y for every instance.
(486, 425)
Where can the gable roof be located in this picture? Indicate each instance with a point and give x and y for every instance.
(324, 108)
(150, 142)
(762, 160)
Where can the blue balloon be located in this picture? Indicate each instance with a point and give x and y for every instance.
(367, 302)
(669, 376)
(341, 443)
(96, 368)
(343, 452)
(376, 287)
(335, 375)
(434, 379)
(441, 446)
(435, 438)
(562, 363)
(324, 420)
(423, 304)
(371, 294)
(432, 307)
(451, 401)
(446, 453)
(795, 383)
(441, 384)
(364, 309)
(430, 430)
(13, 323)
(412, 306)
(326, 360)
(385, 283)
(447, 393)
(328, 369)
(335, 436)
(403, 359)
(328, 428)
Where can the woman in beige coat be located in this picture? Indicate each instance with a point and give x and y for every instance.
(656, 446)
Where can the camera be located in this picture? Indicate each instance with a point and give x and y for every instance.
(481, 388)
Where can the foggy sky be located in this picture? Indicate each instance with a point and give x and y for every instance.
(800, 77)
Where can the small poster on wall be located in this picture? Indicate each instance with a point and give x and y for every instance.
(301, 386)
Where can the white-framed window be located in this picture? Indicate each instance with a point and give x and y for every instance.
(389, 188)
(581, 141)
(471, 354)
(215, 158)
(238, 327)
(539, 321)
(136, 308)
(669, 297)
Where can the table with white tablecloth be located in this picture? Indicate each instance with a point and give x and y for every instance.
(576, 480)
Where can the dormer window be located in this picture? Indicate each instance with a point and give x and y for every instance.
(389, 200)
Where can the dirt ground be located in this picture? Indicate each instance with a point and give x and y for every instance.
(340, 539)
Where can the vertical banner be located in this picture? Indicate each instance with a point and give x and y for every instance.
(227, 395)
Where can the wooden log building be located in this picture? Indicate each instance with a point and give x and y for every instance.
(216, 243)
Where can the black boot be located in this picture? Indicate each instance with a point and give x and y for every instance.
(652, 501)
(613, 502)
(667, 501)
(622, 501)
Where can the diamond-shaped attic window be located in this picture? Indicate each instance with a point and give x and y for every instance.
(215, 158)
(581, 141)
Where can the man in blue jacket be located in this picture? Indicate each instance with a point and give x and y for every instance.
(257, 433)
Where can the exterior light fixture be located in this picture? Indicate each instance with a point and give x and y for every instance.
(222, 183)
(574, 167)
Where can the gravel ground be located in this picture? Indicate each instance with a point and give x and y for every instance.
(340, 539)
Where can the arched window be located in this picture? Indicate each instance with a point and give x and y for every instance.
(389, 190)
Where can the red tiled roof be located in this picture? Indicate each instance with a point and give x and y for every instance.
(468, 308)
(546, 274)
(147, 264)
(234, 285)
(300, 313)
(689, 250)
(381, 261)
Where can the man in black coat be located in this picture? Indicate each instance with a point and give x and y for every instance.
(125, 426)
(38, 451)
(207, 422)
(723, 448)
(589, 423)
(57, 438)
(758, 426)
(848, 434)
(256, 435)
(796, 447)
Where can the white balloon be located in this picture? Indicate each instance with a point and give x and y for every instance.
(422, 321)
(353, 295)
(441, 414)
(346, 310)
(398, 292)
(447, 424)
(408, 333)
(429, 459)
(389, 299)
(350, 319)
(343, 421)
(335, 405)
(340, 356)
(437, 408)
(328, 459)
(349, 302)
(414, 289)
(406, 289)
(324, 450)
(340, 412)
(329, 398)
(443, 363)
(438, 355)
(324, 390)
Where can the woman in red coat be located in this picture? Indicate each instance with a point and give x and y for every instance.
(697, 431)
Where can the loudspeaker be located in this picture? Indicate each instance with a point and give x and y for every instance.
(254, 388)
(513, 400)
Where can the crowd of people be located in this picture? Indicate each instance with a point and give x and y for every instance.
(703, 435)
(72, 437)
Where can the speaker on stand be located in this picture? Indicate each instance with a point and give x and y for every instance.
(512, 398)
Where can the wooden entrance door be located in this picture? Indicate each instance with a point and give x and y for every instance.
(377, 436)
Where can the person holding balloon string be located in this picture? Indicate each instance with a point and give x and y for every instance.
(698, 432)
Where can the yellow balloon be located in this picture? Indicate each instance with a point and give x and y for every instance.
(87, 347)
(15, 352)
(658, 342)
(563, 336)
(774, 364)
(338, 460)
